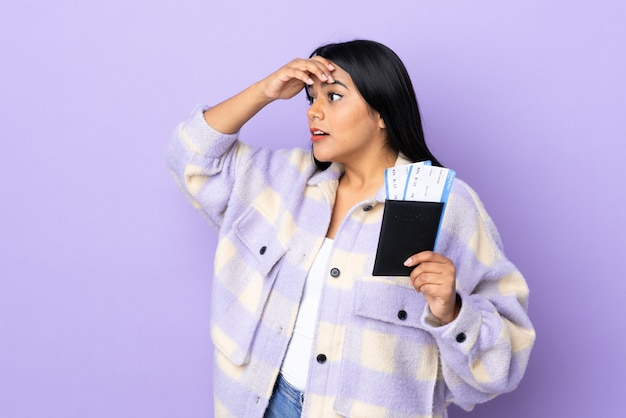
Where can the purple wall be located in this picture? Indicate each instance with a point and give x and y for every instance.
(105, 268)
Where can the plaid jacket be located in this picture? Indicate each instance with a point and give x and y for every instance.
(271, 210)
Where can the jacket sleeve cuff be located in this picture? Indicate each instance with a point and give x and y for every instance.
(459, 335)
(202, 139)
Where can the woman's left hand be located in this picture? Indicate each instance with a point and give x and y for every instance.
(434, 276)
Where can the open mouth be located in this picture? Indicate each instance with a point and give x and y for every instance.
(317, 134)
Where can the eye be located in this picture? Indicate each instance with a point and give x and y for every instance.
(310, 99)
(333, 97)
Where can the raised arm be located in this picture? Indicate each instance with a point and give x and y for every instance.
(229, 116)
(205, 152)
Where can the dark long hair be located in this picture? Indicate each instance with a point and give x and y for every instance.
(383, 81)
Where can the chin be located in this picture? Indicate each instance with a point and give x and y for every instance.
(319, 156)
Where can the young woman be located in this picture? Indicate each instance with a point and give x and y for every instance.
(300, 324)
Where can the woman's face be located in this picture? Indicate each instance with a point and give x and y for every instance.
(343, 127)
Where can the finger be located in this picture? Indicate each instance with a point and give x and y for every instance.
(321, 68)
(433, 272)
(298, 74)
(326, 62)
(427, 268)
(430, 290)
(435, 289)
(422, 278)
(426, 256)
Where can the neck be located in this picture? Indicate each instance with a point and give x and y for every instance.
(368, 175)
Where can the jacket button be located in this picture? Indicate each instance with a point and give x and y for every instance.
(262, 250)
(402, 315)
(321, 358)
(335, 272)
(461, 337)
(367, 208)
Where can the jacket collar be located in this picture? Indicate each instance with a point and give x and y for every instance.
(334, 172)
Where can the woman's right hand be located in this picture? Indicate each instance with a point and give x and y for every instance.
(290, 79)
(229, 116)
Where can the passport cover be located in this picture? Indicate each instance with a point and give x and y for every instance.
(407, 228)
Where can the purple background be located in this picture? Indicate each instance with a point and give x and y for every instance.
(105, 268)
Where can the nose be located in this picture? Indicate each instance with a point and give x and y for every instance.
(315, 111)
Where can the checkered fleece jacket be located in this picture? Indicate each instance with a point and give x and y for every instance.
(271, 210)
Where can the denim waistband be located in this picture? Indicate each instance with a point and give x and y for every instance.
(294, 394)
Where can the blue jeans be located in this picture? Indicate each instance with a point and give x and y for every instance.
(286, 401)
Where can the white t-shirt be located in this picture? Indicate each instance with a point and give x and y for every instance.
(295, 367)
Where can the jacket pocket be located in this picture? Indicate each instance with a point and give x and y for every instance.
(247, 262)
(388, 301)
(387, 352)
(260, 238)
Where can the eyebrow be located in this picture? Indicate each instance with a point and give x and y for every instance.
(325, 84)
